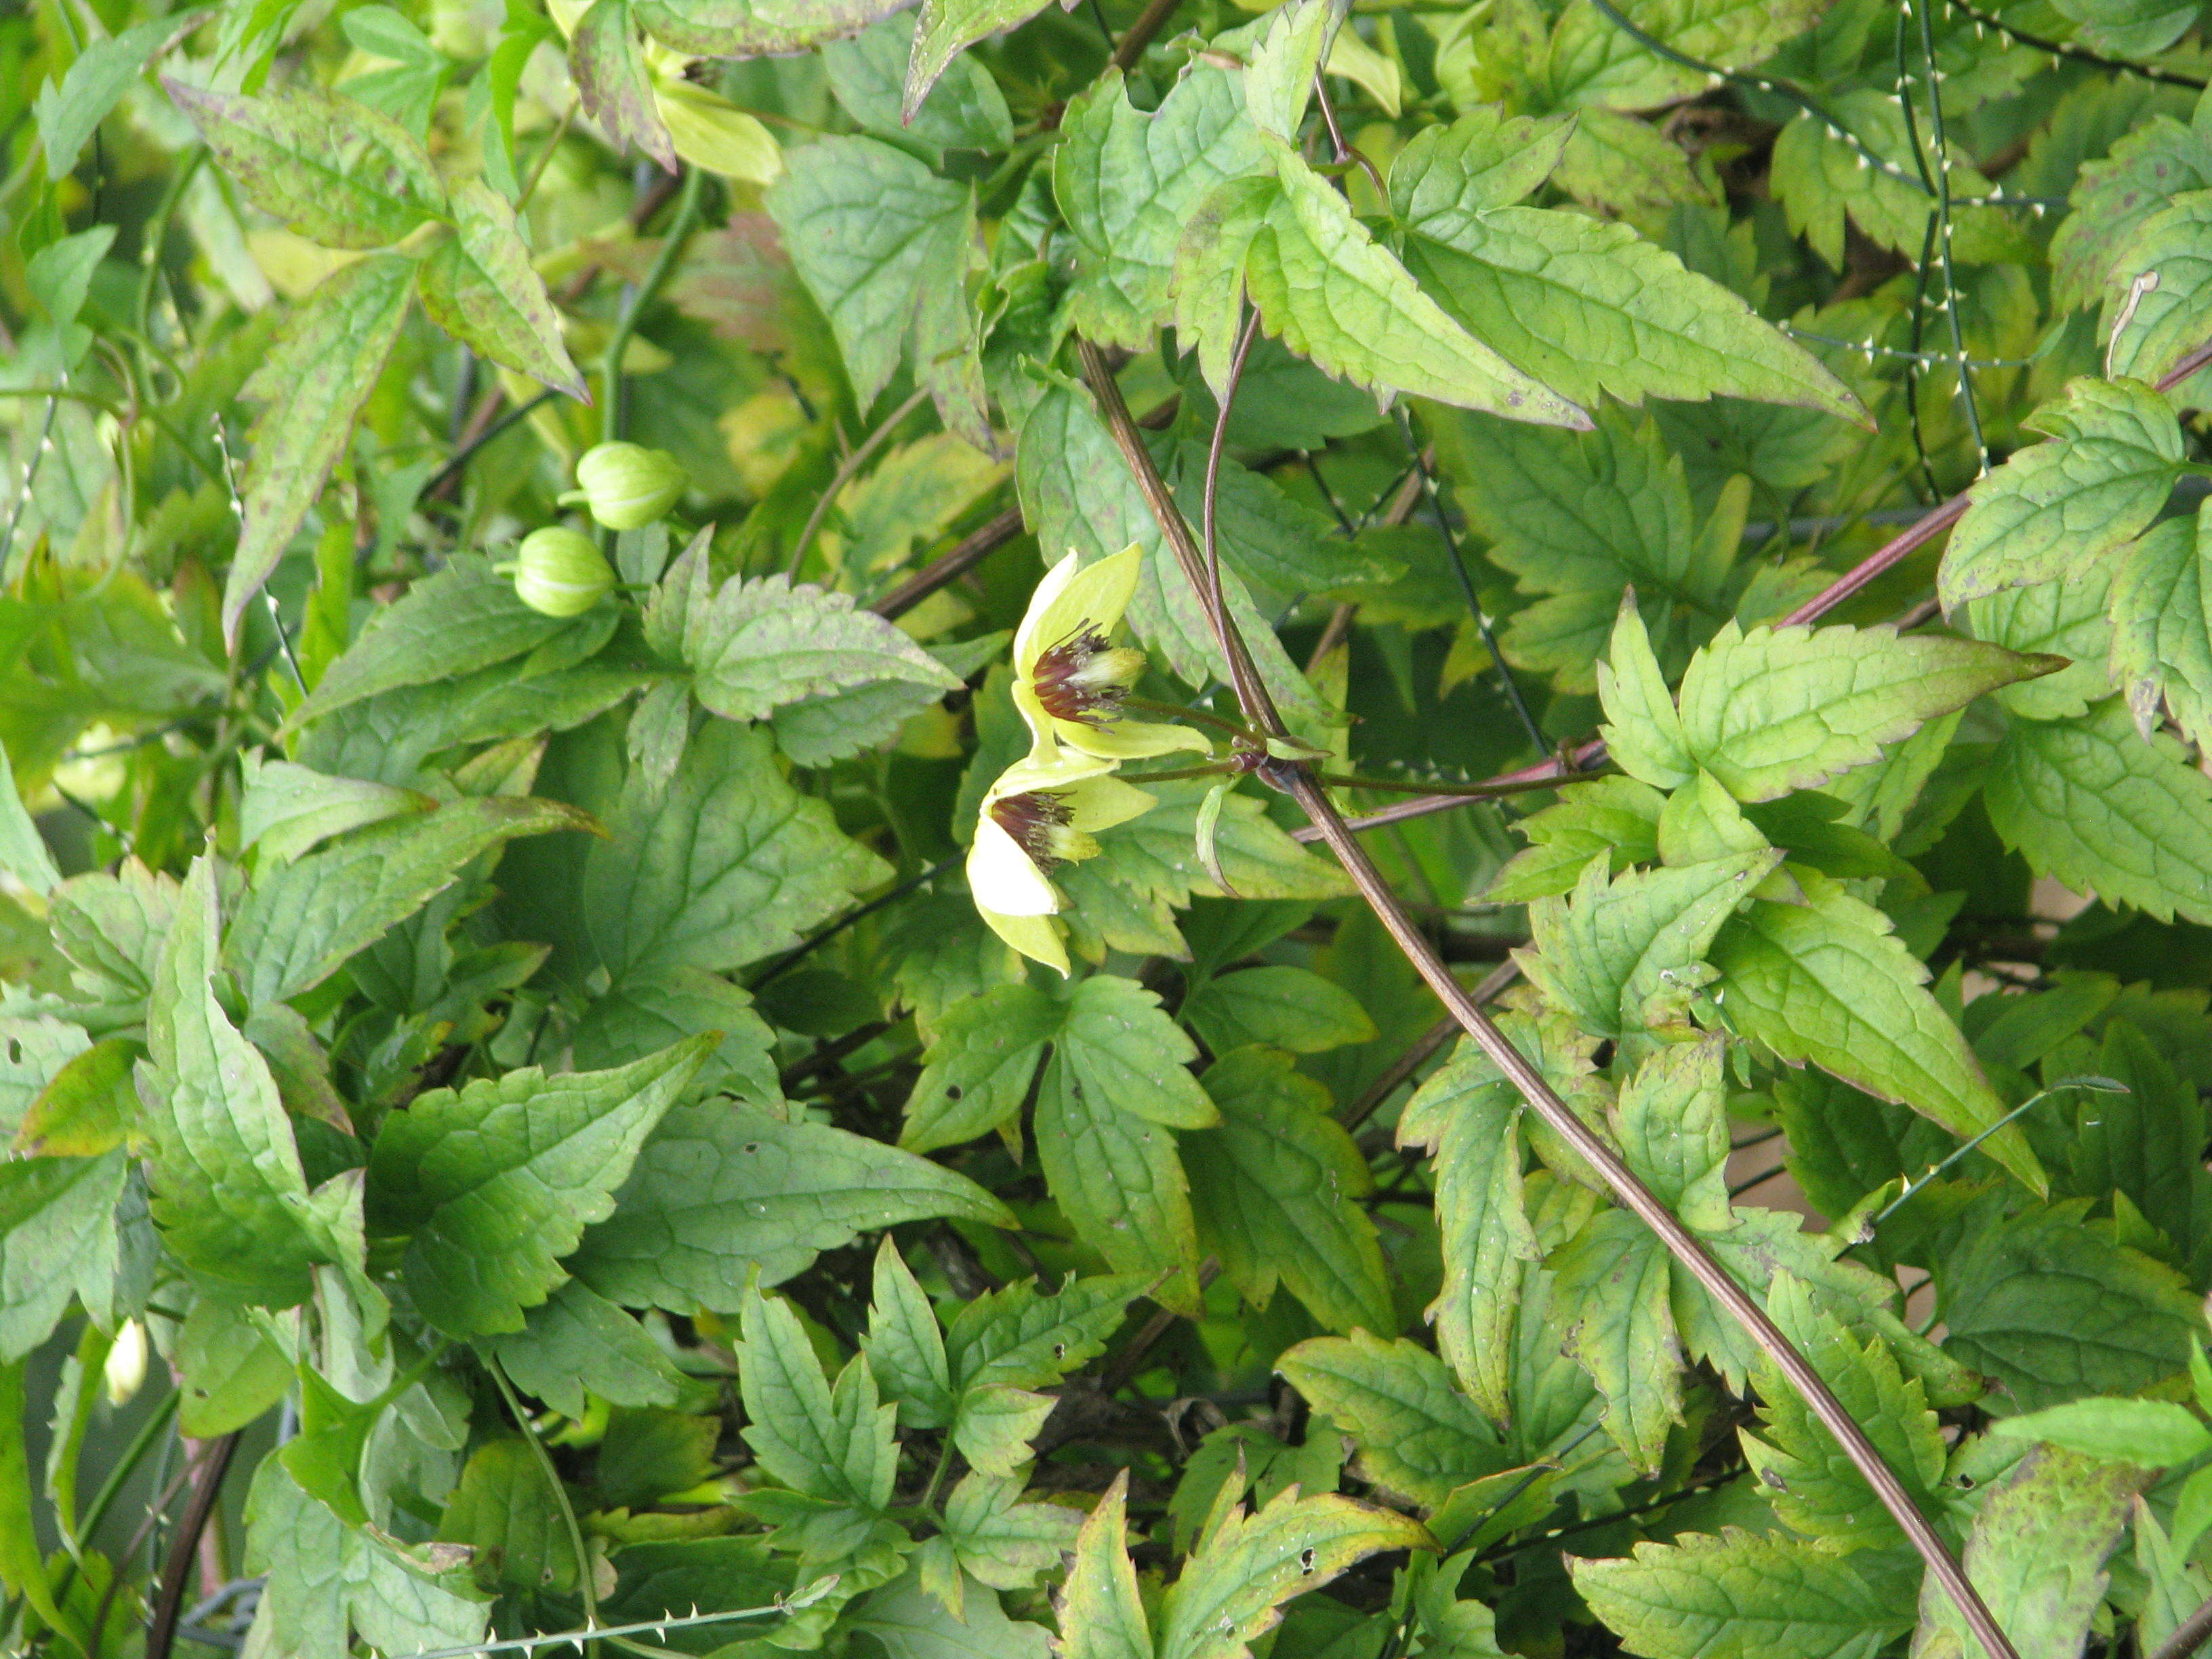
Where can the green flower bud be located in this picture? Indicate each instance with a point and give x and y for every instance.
(559, 572)
(627, 486)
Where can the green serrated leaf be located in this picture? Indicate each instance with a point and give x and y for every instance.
(1827, 981)
(2162, 630)
(1744, 1597)
(1614, 1280)
(576, 1341)
(58, 1240)
(819, 1442)
(1418, 1436)
(1233, 1587)
(611, 83)
(1101, 1616)
(904, 1347)
(742, 29)
(300, 922)
(338, 172)
(286, 808)
(1276, 1187)
(493, 1184)
(762, 644)
(981, 1058)
(319, 372)
(2151, 1434)
(2058, 507)
(2094, 803)
(2112, 196)
(479, 286)
(1017, 1339)
(722, 1191)
(1290, 1008)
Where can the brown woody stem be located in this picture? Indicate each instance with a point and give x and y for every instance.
(1298, 782)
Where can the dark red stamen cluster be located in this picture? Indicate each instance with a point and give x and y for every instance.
(1031, 819)
(1061, 686)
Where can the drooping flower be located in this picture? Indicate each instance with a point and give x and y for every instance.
(1038, 815)
(1069, 682)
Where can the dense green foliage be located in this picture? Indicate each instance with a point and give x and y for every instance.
(647, 947)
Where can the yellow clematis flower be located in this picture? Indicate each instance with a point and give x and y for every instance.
(1069, 683)
(1039, 815)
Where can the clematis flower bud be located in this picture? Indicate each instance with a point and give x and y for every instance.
(559, 572)
(627, 486)
(126, 1363)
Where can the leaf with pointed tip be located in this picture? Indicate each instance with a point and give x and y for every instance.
(575, 1341)
(608, 70)
(2057, 506)
(1615, 1279)
(57, 1240)
(338, 172)
(1590, 306)
(1101, 1615)
(764, 643)
(1418, 1436)
(494, 1183)
(723, 1191)
(1828, 982)
(1605, 952)
(948, 28)
(754, 28)
(2162, 628)
(319, 372)
(823, 1442)
(479, 286)
(1775, 709)
(1233, 1587)
(2093, 802)
(2169, 320)
(1275, 1189)
(1745, 1596)
(1481, 160)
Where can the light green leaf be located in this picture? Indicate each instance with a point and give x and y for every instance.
(1614, 818)
(870, 229)
(1672, 1125)
(1643, 732)
(1330, 292)
(1782, 709)
(318, 371)
(912, 1624)
(69, 113)
(1614, 1282)
(58, 1240)
(1290, 1008)
(823, 1444)
(1001, 1541)
(1017, 1339)
(337, 171)
(1617, 944)
(479, 286)
(229, 1194)
(576, 1341)
(493, 1184)
(1101, 1616)
(726, 865)
(1470, 1117)
(744, 28)
(2132, 28)
(905, 1349)
(1128, 183)
(2162, 630)
(2054, 1308)
(2036, 1553)
(982, 1057)
(286, 808)
(1418, 1436)
(2095, 805)
(994, 1425)
(1728, 33)
(764, 643)
(948, 28)
(1804, 1473)
(2112, 197)
(2171, 319)
(1233, 1587)
(300, 922)
(1827, 981)
(611, 83)
(2065, 618)
(647, 1011)
(450, 624)
(2151, 1434)
(1744, 1597)
(723, 1190)
(1276, 1188)
(1449, 174)
(868, 73)
(1590, 306)
(2060, 506)
(23, 853)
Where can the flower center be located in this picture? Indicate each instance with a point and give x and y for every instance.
(1037, 821)
(1083, 679)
